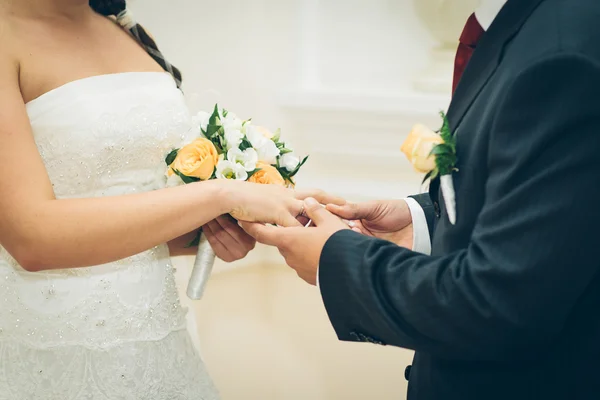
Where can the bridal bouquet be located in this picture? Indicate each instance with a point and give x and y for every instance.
(228, 148)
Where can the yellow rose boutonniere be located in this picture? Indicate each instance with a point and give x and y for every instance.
(434, 153)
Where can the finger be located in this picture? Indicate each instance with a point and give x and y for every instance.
(216, 244)
(231, 226)
(320, 195)
(221, 234)
(360, 227)
(302, 219)
(232, 246)
(319, 215)
(353, 211)
(288, 219)
(265, 234)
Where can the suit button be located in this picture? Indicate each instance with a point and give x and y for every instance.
(436, 209)
(407, 372)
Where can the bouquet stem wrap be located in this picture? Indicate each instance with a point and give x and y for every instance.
(203, 266)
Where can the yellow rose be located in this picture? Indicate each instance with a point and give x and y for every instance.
(268, 175)
(198, 159)
(417, 148)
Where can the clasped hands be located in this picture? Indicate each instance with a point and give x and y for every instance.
(302, 246)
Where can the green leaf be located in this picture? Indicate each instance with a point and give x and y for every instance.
(221, 144)
(297, 169)
(427, 176)
(215, 118)
(285, 175)
(196, 241)
(212, 130)
(445, 129)
(285, 151)
(245, 144)
(186, 179)
(442, 148)
(277, 135)
(445, 153)
(171, 156)
(253, 172)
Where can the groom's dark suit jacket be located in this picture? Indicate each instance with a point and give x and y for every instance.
(508, 304)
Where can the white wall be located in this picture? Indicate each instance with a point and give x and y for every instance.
(336, 76)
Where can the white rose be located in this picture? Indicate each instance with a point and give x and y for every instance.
(267, 149)
(201, 120)
(268, 152)
(255, 137)
(233, 137)
(247, 158)
(231, 122)
(289, 161)
(230, 170)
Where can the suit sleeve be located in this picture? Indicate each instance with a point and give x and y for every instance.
(533, 250)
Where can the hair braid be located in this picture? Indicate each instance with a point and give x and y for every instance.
(118, 8)
(108, 7)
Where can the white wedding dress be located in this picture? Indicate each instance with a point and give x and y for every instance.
(115, 331)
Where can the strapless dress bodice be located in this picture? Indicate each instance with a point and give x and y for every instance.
(101, 136)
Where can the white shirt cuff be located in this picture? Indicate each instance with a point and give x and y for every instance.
(421, 239)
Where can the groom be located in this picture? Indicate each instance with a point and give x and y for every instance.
(507, 306)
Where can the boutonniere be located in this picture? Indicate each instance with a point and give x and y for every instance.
(434, 154)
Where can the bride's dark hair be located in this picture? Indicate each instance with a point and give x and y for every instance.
(116, 8)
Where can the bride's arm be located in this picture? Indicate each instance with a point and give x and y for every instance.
(42, 232)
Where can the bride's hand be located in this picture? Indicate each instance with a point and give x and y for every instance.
(227, 239)
(252, 202)
(271, 204)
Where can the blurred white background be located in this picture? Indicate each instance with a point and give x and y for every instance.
(338, 76)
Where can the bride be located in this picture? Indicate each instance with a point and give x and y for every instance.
(88, 303)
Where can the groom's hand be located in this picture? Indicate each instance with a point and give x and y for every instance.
(301, 247)
(384, 219)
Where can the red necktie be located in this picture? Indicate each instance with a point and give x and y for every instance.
(467, 42)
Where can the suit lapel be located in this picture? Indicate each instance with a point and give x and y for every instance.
(484, 62)
(487, 56)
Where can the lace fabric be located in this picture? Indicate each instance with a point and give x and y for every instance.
(114, 331)
(168, 369)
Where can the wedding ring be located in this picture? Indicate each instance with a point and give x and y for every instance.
(302, 212)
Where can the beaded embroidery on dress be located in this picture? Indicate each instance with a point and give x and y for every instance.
(115, 331)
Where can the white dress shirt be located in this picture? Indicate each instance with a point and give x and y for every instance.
(485, 14)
